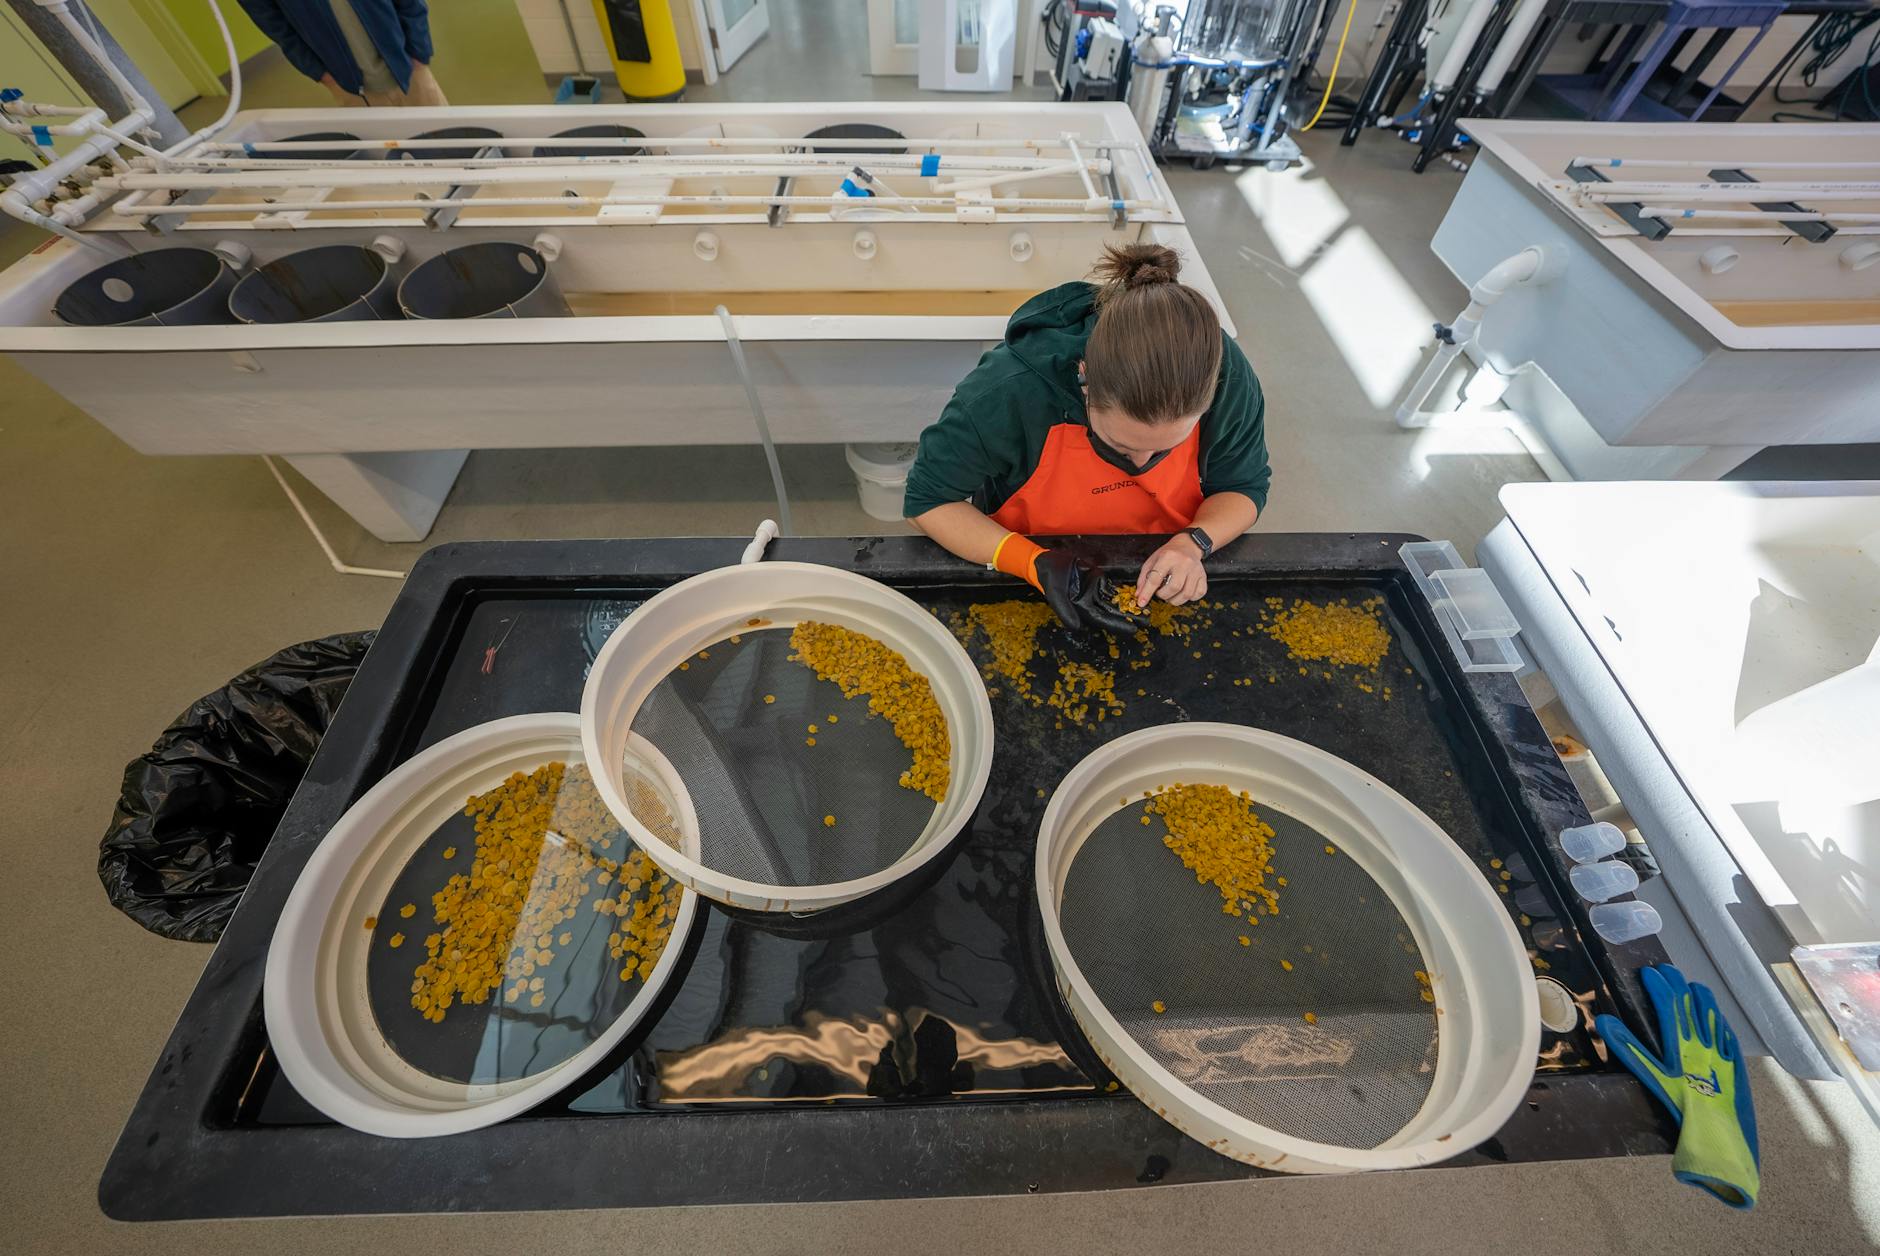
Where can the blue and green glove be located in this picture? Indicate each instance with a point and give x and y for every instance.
(1702, 1080)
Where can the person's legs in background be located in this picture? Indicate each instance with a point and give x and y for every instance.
(424, 91)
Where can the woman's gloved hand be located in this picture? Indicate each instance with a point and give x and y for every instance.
(1076, 588)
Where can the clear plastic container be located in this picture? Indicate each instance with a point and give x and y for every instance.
(1476, 604)
(1597, 882)
(1589, 843)
(1471, 613)
(1625, 922)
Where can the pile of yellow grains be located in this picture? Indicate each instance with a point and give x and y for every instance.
(1218, 836)
(859, 665)
(1339, 633)
(503, 922)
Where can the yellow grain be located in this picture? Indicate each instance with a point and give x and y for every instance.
(861, 665)
(1220, 839)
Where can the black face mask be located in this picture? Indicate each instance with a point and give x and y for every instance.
(1108, 452)
(1116, 457)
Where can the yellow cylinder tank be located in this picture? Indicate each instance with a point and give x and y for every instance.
(645, 47)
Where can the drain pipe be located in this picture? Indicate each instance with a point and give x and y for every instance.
(326, 547)
(757, 414)
(1532, 265)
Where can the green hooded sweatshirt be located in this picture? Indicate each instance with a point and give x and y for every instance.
(988, 440)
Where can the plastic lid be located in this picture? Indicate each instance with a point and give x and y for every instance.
(1597, 882)
(474, 934)
(1589, 843)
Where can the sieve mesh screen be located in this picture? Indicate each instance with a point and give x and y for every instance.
(735, 725)
(573, 859)
(1143, 931)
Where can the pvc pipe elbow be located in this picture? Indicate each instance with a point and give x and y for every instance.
(1533, 264)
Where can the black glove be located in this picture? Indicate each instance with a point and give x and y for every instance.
(1080, 593)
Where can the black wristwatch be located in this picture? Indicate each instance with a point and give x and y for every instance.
(1202, 540)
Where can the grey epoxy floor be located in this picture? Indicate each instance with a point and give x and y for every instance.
(132, 584)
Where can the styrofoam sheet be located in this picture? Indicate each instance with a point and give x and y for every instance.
(1709, 602)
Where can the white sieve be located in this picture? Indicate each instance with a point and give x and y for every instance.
(321, 1022)
(1221, 1074)
(635, 686)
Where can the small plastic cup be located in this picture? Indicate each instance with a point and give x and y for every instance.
(1625, 922)
(1589, 843)
(1597, 882)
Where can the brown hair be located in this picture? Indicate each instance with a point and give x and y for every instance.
(1155, 352)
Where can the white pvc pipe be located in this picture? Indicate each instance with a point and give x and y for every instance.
(1613, 163)
(31, 109)
(1733, 233)
(234, 86)
(1513, 39)
(128, 209)
(39, 184)
(677, 141)
(973, 170)
(767, 532)
(1731, 191)
(279, 155)
(1090, 188)
(417, 174)
(85, 120)
(1533, 264)
(1472, 23)
(1511, 272)
(63, 11)
(344, 569)
(17, 206)
(1779, 215)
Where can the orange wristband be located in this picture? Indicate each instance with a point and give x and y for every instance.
(1018, 556)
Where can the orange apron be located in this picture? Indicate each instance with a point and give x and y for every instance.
(1073, 490)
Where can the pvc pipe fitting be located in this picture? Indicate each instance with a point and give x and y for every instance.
(233, 252)
(1860, 256)
(865, 245)
(705, 246)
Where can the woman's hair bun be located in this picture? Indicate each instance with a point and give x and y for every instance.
(1124, 267)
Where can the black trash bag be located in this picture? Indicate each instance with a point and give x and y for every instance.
(196, 812)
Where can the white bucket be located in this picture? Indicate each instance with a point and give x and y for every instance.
(881, 477)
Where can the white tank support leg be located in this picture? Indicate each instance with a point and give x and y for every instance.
(393, 496)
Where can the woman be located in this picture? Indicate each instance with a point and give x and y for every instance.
(365, 52)
(1114, 407)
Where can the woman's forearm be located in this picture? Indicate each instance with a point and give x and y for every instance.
(963, 530)
(1225, 516)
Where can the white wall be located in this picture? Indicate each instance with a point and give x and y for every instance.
(548, 35)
